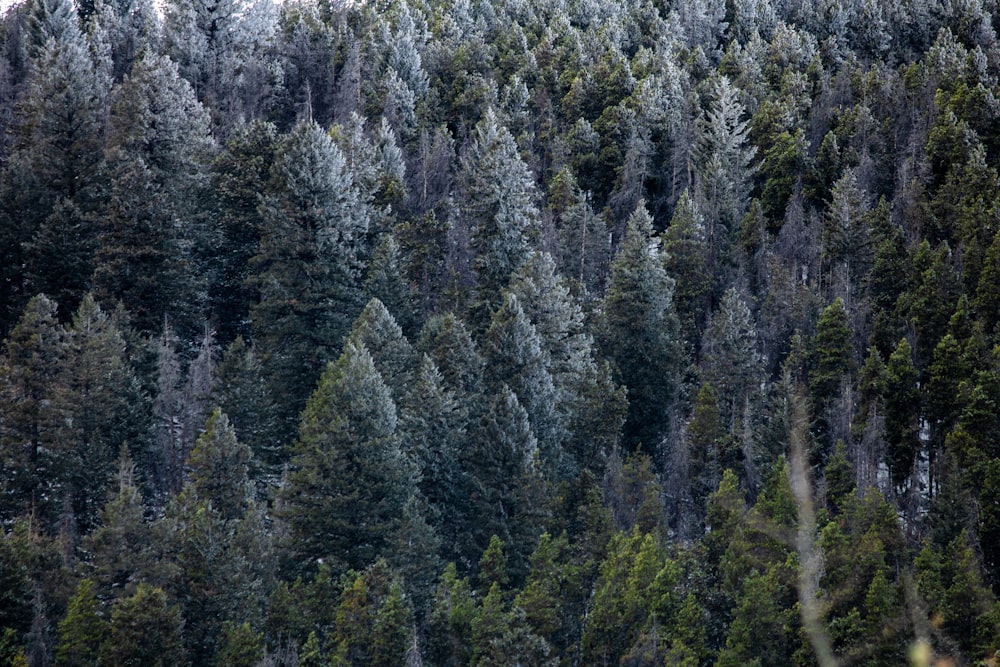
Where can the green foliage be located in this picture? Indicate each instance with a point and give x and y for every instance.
(500, 206)
(377, 331)
(144, 629)
(762, 629)
(307, 266)
(240, 646)
(237, 174)
(450, 623)
(667, 230)
(242, 394)
(640, 332)
(348, 481)
(219, 466)
(902, 404)
(29, 367)
(687, 260)
(950, 579)
(82, 631)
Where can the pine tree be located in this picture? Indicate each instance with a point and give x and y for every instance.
(640, 333)
(450, 623)
(386, 281)
(621, 602)
(121, 30)
(584, 239)
(17, 591)
(218, 466)
(100, 404)
(730, 360)
(58, 149)
(725, 169)
(240, 646)
(434, 433)
(242, 393)
(498, 201)
(237, 174)
(834, 363)
(348, 481)
(844, 227)
(82, 631)
(447, 341)
(515, 358)
(902, 412)
(144, 629)
(686, 258)
(34, 473)
(589, 406)
(761, 627)
(120, 549)
(377, 331)
(505, 481)
(154, 234)
(307, 269)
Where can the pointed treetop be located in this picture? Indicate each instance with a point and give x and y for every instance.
(219, 467)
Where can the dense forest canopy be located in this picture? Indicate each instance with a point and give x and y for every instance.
(515, 332)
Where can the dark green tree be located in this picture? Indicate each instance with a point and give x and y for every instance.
(448, 342)
(499, 203)
(238, 172)
(505, 477)
(242, 393)
(450, 623)
(144, 629)
(386, 280)
(240, 646)
(55, 165)
(120, 550)
(35, 469)
(687, 261)
(307, 269)
(434, 433)
(640, 333)
(831, 371)
(348, 481)
(515, 358)
(219, 466)
(155, 235)
(376, 329)
(902, 412)
(99, 399)
(82, 630)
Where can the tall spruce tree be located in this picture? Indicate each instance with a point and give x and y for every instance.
(100, 406)
(687, 257)
(155, 236)
(307, 270)
(348, 481)
(640, 332)
(55, 167)
(498, 200)
(377, 331)
(34, 465)
(515, 358)
(434, 432)
(237, 174)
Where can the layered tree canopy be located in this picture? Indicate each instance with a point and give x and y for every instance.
(499, 332)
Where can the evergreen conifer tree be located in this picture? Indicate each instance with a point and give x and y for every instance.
(640, 332)
(348, 482)
(307, 270)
